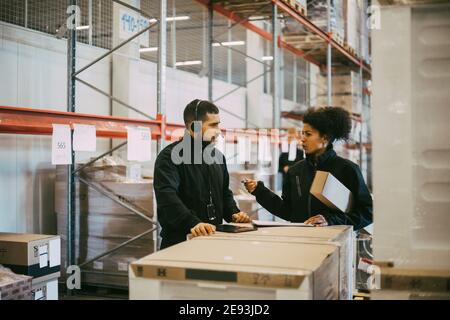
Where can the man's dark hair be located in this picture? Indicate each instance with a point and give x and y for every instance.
(334, 122)
(203, 107)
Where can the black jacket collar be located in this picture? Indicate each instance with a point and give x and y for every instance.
(327, 155)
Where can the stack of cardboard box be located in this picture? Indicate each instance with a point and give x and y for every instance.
(220, 268)
(347, 91)
(34, 255)
(102, 224)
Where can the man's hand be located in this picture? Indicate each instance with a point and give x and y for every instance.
(203, 229)
(250, 185)
(317, 221)
(241, 217)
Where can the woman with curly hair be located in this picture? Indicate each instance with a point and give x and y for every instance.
(322, 127)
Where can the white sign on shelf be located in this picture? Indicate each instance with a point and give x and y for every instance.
(292, 150)
(244, 149)
(264, 154)
(61, 144)
(132, 23)
(284, 145)
(84, 137)
(139, 144)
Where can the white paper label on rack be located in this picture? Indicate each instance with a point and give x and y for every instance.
(54, 252)
(98, 265)
(284, 145)
(84, 137)
(241, 149)
(139, 144)
(220, 144)
(264, 154)
(61, 144)
(292, 150)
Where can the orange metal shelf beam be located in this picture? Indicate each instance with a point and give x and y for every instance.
(39, 122)
(17, 120)
(250, 26)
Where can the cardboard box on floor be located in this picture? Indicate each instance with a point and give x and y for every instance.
(242, 269)
(331, 192)
(34, 255)
(340, 236)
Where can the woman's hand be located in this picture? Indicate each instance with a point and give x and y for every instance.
(250, 185)
(317, 221)
(241, 217)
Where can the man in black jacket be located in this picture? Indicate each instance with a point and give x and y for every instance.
(191, 180)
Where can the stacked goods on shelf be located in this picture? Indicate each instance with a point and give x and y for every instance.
(346, 89)
(14, 286)
(365, 45)
(102, 224)
(317, 13)
(34, 255)
(299, 5)
(352, 14)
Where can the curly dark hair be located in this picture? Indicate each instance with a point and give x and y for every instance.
(333, 122)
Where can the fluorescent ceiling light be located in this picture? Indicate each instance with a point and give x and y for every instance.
(170, 19)
(267, 58)
(179, 18)
(188, 63)
(150, 49)
(228, 43)
(82, 27)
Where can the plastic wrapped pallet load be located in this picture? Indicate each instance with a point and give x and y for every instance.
(102, 224)
(14, 286)
(222, 268)
(339, 236)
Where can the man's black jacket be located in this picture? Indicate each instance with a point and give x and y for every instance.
(182, 191)
(297, 204)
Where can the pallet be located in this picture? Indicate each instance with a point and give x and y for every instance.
(305, 42)
(293, 4)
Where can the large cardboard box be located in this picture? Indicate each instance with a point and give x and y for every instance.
(340, 236)
(34, 255)
(14, 286)
(411, 284)
(223, 268)
(331, 192)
